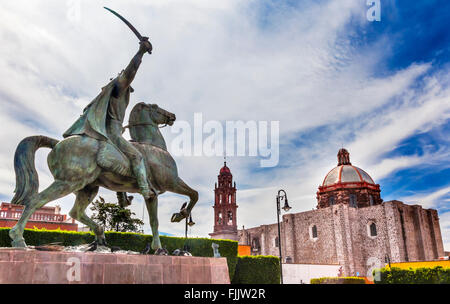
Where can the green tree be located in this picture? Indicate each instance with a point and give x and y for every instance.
(114, 217)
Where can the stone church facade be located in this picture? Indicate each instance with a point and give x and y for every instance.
(351, 226)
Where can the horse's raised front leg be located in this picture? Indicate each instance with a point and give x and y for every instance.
(152, 208)
(56, 190)
(183, 189)
(84, 198)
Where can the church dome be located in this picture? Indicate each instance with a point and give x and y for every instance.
(346, 175)
(348, 184)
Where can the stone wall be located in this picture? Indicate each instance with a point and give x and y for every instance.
(368, 251)
(261, 239)
(420, 236)
(403, 233)
(20, 266)
(301, 246)
(342, 196)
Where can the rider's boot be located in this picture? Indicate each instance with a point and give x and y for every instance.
(143, 183)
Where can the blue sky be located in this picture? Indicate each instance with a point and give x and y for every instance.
(320, 68)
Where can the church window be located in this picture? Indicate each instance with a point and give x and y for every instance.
(331, 200)
(219, 221)
(220, 199)
(229, 198)
(313, 232)
(372, 229)
(353, 202)
(370, 200)
(255, 244)
(230, 217)
(276, 242)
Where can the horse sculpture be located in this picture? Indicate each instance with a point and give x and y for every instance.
(81, 164)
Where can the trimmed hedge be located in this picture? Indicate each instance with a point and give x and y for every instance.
(37, 237)
(128, 241)
(425, 275)
(257, 270)
(336, 280)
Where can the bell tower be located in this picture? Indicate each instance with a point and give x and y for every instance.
(225, 216)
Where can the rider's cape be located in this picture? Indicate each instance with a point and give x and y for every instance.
(93, 120)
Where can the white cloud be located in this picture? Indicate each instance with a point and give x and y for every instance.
(427, 200)
(226, 61)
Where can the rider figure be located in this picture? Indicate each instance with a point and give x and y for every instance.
(103, 118)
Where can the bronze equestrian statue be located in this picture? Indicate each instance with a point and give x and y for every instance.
(94, 154)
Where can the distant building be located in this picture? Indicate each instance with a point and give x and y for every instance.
(84, 229)
(351, 227)
(49, 218)
(225, 208)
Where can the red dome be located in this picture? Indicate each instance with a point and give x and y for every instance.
(225, 169)
(345, 175)
(349, 185)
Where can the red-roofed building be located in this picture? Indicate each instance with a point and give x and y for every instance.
(49, 218)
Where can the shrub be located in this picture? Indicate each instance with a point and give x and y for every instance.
(338, 280)
(425, 275)
(128, 241)
(257, 270)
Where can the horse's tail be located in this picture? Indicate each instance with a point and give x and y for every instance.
(27, 181)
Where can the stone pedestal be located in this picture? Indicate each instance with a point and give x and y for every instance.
(24, 266)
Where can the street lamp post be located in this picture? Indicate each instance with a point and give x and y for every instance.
(387, 260)
(286, 208)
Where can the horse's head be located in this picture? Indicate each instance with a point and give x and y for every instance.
(144, 122)
(161, 116)
(146, 114)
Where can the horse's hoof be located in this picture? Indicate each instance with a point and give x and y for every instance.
(161, 251)
(92, 246)
(115, 248)
(176, 217)
(146, 249)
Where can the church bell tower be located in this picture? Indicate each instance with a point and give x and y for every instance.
(225, 216)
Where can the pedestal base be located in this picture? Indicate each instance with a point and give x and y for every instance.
(24, 266)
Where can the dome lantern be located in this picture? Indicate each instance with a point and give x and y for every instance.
(343, 157)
